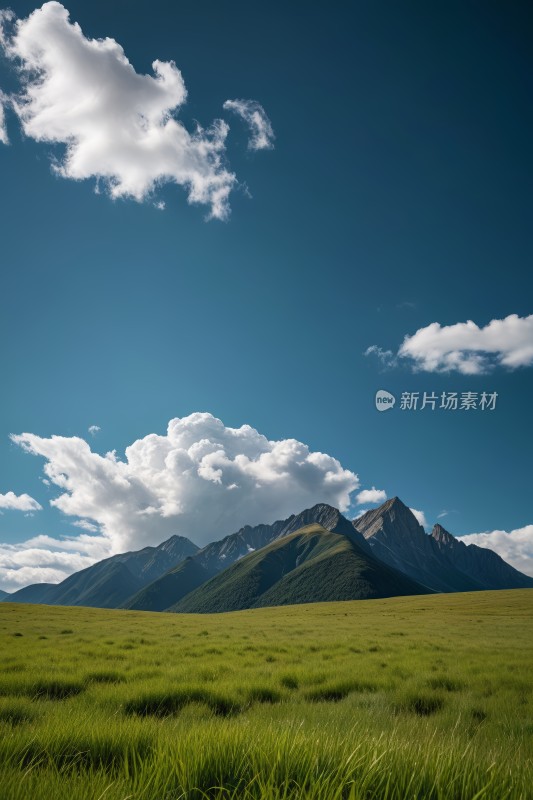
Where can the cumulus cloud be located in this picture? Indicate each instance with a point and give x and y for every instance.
(93, 429)
(465, 347)
(44, 559)
(420, 517)
(372, 495)
(202, 480)
(515, 546)
(469, 349)
(254, 115)
(118, 126)
(21, 502)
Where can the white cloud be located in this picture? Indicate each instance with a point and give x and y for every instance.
(118, 126)
(471, 350)
(465, 347)
(93, 429)
(85, 525)
(178, 483)
(261, 132)
(515, 546)
(3, 130)
(372, 495)
(44, 559)
(420, 517)
(387, 357)
(446, 513)
(21, 502)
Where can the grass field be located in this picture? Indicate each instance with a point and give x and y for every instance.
(412, 697)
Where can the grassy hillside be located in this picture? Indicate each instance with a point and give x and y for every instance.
(310, 565)
(408, 697)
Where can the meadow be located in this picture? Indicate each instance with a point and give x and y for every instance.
(409, 697)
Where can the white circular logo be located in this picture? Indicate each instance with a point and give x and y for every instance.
(384, 400)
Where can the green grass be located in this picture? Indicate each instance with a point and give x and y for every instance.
(404, 698)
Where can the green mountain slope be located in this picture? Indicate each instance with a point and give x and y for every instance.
(219, 555)
(34, 593)
(170, 588)
(308, 566)
(109, 583)
(106, 587)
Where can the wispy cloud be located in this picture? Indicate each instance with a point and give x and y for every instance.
(85, 525)
(3, 130)
(445, 513)
(117, 126)
(465, 347)
(387, 357)
(514, 546)
(254, 115)
(22, 502)
(93, 429)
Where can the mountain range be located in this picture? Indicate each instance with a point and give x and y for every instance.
(313, 556)
(311, 565)
(438, 561)
(109, 583)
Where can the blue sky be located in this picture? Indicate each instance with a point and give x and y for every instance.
(397, 195)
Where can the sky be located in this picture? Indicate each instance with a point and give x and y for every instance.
(224, 229)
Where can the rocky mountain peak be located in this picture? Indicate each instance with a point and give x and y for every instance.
(176, 541)
(396, 506)
(393, 518)
(440, 534)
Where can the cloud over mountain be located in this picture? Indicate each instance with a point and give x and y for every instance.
(202, 480)
(372, 495)
(117, 126)
(44, 559)
(420, 517)
(515, 546)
